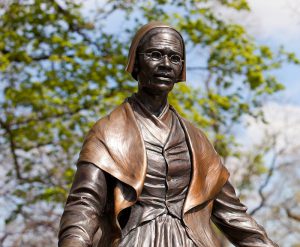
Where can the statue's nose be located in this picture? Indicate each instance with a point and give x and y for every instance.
(166, 60)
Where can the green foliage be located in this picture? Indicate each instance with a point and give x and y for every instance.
(55, 67)
(60, 72)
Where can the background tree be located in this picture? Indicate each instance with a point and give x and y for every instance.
(62, 68)
(271, 177)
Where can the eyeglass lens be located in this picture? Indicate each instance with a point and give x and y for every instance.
(156, 55)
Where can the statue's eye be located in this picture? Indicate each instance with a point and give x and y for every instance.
(155, 55)
(175, 59)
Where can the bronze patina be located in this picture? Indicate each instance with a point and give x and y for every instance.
(146, 176)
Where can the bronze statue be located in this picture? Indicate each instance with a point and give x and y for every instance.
(148, 177)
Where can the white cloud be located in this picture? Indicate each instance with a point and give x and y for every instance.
(283, 121)
(278, 18)
(270, 19)
(93, 4)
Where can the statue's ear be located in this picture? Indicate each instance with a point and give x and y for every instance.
(182, 68)
(178, 79)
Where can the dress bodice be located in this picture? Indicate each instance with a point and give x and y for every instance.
(168, 168)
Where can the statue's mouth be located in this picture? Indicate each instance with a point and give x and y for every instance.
(164, 76)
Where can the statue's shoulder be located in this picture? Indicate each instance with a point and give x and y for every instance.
(117, 116)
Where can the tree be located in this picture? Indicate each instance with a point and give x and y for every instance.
(61, 70)
(276, 190)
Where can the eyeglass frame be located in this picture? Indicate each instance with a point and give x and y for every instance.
(162, 57)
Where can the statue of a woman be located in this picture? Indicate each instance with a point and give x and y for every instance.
(148, 177)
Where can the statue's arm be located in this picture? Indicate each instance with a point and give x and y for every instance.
(230, 216)
(83, 208)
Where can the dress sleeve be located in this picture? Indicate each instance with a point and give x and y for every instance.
(84, 206)
(230, 216)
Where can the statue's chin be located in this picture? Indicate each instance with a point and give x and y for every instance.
(159, 87)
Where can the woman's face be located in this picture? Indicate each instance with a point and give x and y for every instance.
(160, 62)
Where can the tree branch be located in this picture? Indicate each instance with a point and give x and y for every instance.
(74, 27)
(34, 58)
(44, 117)
(265, 184)
(12, 149)
(292, 215)
(197, 68)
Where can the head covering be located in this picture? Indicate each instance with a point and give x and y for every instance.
(136, 40)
